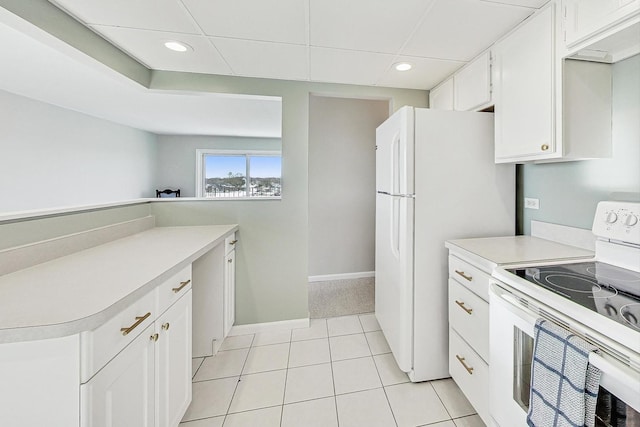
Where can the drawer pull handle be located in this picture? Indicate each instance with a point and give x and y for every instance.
(182, 285)
(139, 319)
(461, 273)
(468, 368)
(154, 337)
(233, 242)
(461, 304)
(166, 326)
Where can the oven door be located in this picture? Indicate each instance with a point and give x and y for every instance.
(511, 354)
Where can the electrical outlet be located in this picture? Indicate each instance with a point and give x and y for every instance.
(531, 203)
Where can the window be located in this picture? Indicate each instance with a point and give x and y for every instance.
(225, 174)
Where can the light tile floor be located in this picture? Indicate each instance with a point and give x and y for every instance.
(339, 372)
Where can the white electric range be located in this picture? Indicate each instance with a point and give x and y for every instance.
(598, 300)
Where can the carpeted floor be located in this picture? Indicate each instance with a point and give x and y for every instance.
(341, 297)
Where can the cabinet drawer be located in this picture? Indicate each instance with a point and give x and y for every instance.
(173, 288)
(474, 381)
(469, 316)
(103, 343)
(471, 277)
(230, 243)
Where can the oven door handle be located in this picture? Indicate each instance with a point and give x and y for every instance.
(615, 375)
(511, 303)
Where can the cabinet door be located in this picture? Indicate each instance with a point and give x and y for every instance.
(472, 85)
(122, 393)
(585, 18)
(524, 91)
(173, 362)
(441, 98)
(229, 291)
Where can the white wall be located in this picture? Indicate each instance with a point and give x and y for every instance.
(177, 157)
(52, 157)
(342, 202)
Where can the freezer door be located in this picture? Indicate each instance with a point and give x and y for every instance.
(394, 153)
(394, 275)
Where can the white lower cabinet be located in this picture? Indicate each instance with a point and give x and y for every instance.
(471, 373)
(173, 363)
(122, 394)
(147, 384)
(229, 287)
(229, 291)
(469, 332)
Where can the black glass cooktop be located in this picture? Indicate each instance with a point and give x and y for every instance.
(611, 291)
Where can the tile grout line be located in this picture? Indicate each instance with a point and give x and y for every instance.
(286, 376)
(384, 390)
(238, 382)
(333, 381)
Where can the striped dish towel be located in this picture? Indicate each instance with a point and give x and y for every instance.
(564, 386)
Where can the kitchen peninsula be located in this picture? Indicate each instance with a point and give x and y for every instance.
(108, 330)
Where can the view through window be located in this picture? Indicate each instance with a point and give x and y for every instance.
(240, 175)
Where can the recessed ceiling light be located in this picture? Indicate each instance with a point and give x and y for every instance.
(177, 46)
(402, 66)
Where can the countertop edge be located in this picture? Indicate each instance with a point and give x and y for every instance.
(59, 330)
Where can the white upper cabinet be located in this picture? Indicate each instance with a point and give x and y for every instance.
(469, 89)
(548, 108)
(585, 19)
(472, 85)
(441, 97)
(524, 91)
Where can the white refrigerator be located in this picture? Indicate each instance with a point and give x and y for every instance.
(436, 180)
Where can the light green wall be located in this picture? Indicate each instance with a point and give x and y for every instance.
(272, 264)
(342, 184)
(569, 192)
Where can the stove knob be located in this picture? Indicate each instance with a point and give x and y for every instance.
(611, 217)
(631, 220)
(629, 317)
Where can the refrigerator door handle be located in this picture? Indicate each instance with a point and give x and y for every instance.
(395, 226)
(395, 164)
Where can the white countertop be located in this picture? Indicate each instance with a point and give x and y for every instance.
(517, 249)
(81, 291)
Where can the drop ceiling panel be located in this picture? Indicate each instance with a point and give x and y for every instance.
(74, 81)
(264, 59)
(266, 20)
(164, 15)
(425, 74)
(369, 25)
(461, 29)
(349, 67)
(525, 3)
(147, 47)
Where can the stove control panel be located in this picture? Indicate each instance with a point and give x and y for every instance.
(618, 221)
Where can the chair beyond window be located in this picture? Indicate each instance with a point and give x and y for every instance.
(168, 193)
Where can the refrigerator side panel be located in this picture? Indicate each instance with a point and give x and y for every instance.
(460, 193)
(394, 275)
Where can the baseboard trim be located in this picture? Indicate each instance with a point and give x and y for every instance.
(343, 276)
(254, 328)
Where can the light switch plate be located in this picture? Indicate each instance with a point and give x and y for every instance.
(531, 203)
